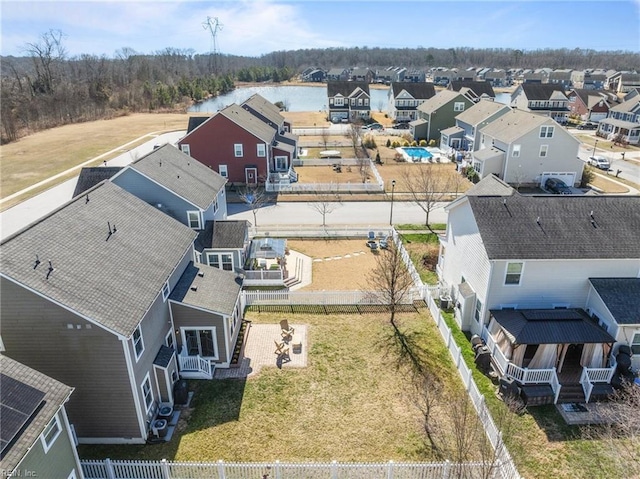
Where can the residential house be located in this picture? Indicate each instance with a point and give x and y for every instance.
(465, 135)
(591, 80)
(589, 105)
(390, 74)
(102, 267)
(223, 245)
(468, 75)
(561, 77)
(520, 268)
(438, 113)
(481, 72)
(176, 184)
(338, 74)
(405, 97)
(348, 100)
(474, 90)
(622, 82)
(537, 76)
(444, 76)
(548, 100)
(269, 113)
(496, 77)
(242, 147)
(526, 149)
(314, 75)
(364, 75)
(622, 122)
(417, 76)
(615, 304)
(37, 439)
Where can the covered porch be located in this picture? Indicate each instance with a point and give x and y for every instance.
(562, 349)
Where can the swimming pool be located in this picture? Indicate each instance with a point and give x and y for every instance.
(416, 153)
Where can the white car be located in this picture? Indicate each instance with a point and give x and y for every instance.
(599, 162)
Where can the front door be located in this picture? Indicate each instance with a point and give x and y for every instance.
(251, 176)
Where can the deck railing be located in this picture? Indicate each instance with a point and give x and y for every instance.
(591, 376)
(194, 363)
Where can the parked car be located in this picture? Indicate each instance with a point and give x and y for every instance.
(599, 162)
(402, 126)
(557, 186)
(373, 127)
(587, 126)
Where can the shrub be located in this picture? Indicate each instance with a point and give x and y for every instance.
(395, 144)
(432, 142)
(587, 177)
(405, 143)
(423, 142)
(414, 143)
(388, 142)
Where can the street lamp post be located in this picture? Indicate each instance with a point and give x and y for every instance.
(595, 145)
(393, 187)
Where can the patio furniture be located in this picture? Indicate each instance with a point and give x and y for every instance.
(282, 350)
(384, 242)
(286, 331)
(297, 348)
(371, 244)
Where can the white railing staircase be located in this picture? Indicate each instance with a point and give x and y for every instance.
(195, 367)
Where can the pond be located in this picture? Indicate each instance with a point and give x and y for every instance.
(296, 98)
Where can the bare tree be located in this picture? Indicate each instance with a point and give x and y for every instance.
(47, 54)
(426, 188)
(353, 134)
(255, 197)
(324, 137)
(364, 168)
(326, 203)
(619, 433)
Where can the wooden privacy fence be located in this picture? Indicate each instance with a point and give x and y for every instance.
(108, 469)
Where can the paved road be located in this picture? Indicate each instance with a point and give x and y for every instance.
(357, 213)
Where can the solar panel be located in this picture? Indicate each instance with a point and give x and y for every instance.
(18, 403)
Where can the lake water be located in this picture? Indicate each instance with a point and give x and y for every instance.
(296, 98)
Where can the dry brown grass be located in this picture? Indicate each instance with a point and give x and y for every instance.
(608, 186)
(41, 155)
(326, 174)
(337, 272)
(306, 119)
(448, 177)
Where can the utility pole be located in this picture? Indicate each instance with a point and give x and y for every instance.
(214, 26)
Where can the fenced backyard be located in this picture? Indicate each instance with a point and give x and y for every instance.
(498, 466)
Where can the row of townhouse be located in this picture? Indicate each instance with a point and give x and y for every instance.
(128, 287)
(551, 282)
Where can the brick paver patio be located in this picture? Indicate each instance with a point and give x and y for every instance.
(259, 351)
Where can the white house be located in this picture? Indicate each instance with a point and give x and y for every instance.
(525, 149)
(521, 270)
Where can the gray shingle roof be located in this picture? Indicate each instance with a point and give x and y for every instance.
(265, 108)
(481, 111)
(55, 395)
(439, 100)
(621, 296)
(550, 326)
(195, 122)
(418, 90)
(514, 124)
(182, 174)
(478, 87)
(222, 234)
(92, 175)
(112, 282)
(491, 186)
(249, 122)
(541, 91)
(510, 231)
(345, 88)
(216, 290)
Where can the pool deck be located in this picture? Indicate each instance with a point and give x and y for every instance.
(437, 156)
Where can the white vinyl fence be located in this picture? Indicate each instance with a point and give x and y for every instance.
(319, 298)
(108, 469)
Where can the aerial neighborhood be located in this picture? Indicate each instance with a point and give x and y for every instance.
(124, 303)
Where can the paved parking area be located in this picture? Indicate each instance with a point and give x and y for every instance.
(259, 351)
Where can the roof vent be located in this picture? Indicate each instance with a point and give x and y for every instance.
(201, 274)
(194, 288)
(37, 262)
(86, 199)
(538, 220)
(50, 270)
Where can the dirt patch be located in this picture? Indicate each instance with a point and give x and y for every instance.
(306, 119)
(341, 265)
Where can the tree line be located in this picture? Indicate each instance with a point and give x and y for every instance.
(47, 88)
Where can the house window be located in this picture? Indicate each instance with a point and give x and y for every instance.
(635, 344)
(165, 291)
(51, 433)
(168, 340)
(366, 102)
(138, 342)
(515, 151)
(261, 150)
(222, 261)
(237, 150)
(543, 150)
(222, 169)
(478, 312)
(193, 217)
(458, 106)
(339, 102)
(514, 273)
(147, 393)
(546, 131)
(185, 149)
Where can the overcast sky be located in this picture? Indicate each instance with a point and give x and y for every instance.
(255, 27)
